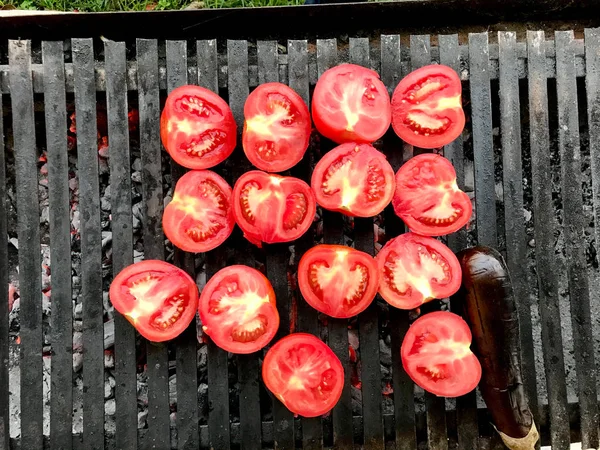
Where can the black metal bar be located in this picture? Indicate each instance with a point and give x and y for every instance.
(545, 227)
(338, 328)
(308, 322)
(368, 321)
(574, 235)
(60, 246)
(152, 194)
(91, 244)
(122, 233)
(186, 353)
(4, 342)
(268, 61)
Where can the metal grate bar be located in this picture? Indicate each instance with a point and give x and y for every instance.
(545, 227)
(574, 235)
(4, 338)
(91, 244)
(60, 246)
(307, 317)
(122, 243)
(158, 435)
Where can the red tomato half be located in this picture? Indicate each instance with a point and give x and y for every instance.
(200, 216)
(354, 179)
(436, 355)
(197, 127)
(159, 299)
(427, 108)
(238, 311)
(271, 208)
(351, 104)
(427, 198)
(276, 127)
(337, 280)
(416, 269)
(304, 374)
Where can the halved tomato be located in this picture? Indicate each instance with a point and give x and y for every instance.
(354, 179)
(351, 104)
(271, 208)
(304, 374)
(427, 198)
(436, 355)
(427, 108)
(337, 280)
(416, 269)
(197, 127)
(159, 299)
(200, 216)
(276, 127)
(238, 311)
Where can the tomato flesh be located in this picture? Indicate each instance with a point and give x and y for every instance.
(351, 104)
(436, 354)
(272, 208)
(157, 298)
(427, 197)
(354, 179)
(238, 310)
(416, 269)
(304, 374)
(427, 108)
(337, 280)
(276, 128)
(199, 218)
(197, 127)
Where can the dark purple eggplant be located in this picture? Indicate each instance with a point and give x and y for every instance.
(486, 302)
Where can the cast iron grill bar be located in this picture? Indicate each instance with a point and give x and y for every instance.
(122, 240)
(4, 337)
(217, 362)
(404, 406)
(307, 316)
(158, 435)
(368, 321)
(574, 236)
(545, 227)
(60, 246)
(333, 233)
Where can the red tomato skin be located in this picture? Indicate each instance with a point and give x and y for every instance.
(325, 252)
(333, 126)
(402, 245)
(224, 123)
(443, 173)
(269, 227)
(117, 298)
(214, 329)
(270, 383)
(400, 104)
(362, 154)
(292, 148)
(172, 228)
(473, 376)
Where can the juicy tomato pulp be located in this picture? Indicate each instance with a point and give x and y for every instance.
(427, 198)
(238, 311)
(337, 280)
(159, 299)
(200, 216)
(351, 104)
(304, 374)
(415, 269)
(426, 107)
(436, 355)
(271, 208)
(197, 127)
(355, 179)
(276, 127)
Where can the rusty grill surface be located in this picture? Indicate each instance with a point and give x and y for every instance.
(533, 111)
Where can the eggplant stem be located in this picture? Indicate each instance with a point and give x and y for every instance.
(525, 443)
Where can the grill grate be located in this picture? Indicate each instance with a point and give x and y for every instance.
(525, 74)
